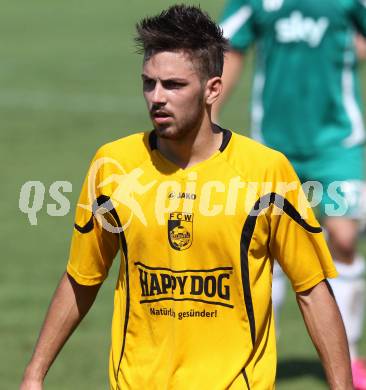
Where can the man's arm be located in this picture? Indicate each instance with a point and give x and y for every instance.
(325, 326)
(232, 70)
(69, 305)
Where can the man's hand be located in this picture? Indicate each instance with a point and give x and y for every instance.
(69, 305)
(325, 326)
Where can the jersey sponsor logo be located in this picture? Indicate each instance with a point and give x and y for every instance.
(298, 28)
(272, 5)
(210, 286)
(163, 311)
(180, 230)
(181, 195)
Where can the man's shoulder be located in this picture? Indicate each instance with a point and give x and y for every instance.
(253, 160)
(132, 149)
(248, 149)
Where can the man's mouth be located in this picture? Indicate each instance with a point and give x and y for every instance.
(161, 116)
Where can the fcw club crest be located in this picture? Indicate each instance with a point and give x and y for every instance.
(180, 230)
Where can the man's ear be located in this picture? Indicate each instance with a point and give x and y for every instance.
(213, 90)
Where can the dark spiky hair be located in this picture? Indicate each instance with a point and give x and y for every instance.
(186, 28)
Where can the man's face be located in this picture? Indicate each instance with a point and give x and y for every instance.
(174, 94)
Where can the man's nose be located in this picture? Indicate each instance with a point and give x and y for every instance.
(158, 96)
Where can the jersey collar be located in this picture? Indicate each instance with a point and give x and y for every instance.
(226, 137)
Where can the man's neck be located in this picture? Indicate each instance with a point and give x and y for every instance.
(198, 146)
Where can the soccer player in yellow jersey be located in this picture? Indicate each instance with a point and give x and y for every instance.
(198, 214)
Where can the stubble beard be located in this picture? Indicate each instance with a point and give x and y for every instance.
(179, 132)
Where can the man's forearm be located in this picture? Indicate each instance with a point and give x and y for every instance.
(70, 303)
(325, 326)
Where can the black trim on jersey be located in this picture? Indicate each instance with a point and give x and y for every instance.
(246, 378)
(246, 237)
(186, 270)
(125, 253)
(226, 137)
(104, 200)
(88, 227)
(186, 299)
(153, 140)
(100, 201)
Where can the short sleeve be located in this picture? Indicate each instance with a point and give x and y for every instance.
(237, 23)
(93, 247)
(358, 14)
(296, 238)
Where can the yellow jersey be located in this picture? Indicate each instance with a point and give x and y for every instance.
(192, 307)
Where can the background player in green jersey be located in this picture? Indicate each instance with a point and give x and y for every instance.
(306, 104)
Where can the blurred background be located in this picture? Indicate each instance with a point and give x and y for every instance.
(69, 82)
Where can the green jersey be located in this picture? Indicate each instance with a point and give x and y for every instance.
(305, 92)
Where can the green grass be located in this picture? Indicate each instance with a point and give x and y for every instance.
(70, 82)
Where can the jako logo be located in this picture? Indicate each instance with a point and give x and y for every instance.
(182, 195)
(210, 286)
(298, 28)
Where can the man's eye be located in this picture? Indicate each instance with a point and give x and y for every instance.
(172, 85)
(148, 84)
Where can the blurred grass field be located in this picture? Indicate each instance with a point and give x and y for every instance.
(69, 82)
